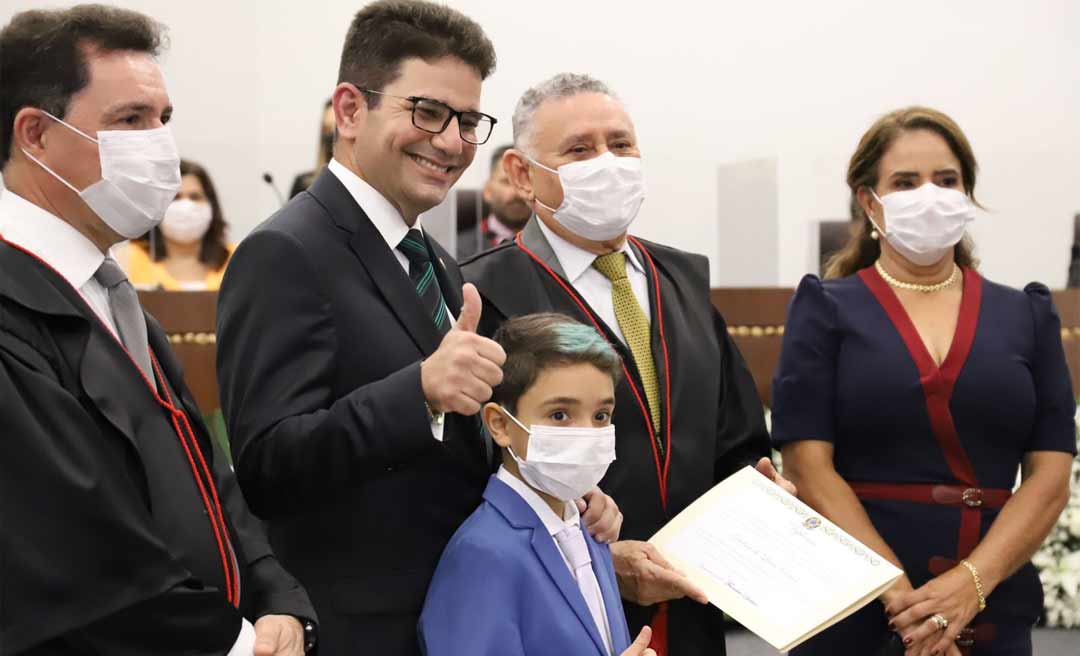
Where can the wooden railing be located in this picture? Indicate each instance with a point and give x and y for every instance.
(755, 319)
(189, 319)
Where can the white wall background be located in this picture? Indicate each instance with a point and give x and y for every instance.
(708, 84)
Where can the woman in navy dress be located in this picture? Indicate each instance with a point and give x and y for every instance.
(909, 393)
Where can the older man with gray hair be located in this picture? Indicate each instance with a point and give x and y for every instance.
(688, 414)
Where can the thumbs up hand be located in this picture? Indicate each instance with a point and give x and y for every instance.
(471, 306)
(459, 375)
(640, 647)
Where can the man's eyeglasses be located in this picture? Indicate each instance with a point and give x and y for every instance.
(433, 116)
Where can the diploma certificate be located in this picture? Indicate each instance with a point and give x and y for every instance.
(770, 561)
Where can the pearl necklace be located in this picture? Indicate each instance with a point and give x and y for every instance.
(916, 287)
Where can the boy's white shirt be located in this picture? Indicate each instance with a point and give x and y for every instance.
(555, 525)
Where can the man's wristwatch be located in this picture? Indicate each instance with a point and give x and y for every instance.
(311, 635)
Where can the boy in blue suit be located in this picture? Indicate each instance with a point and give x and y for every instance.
(521, 577)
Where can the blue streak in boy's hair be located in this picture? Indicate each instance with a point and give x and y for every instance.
(578, 339)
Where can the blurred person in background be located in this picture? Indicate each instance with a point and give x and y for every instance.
(326, 151)
(1074, 255)
(188, 251)
(507, 212)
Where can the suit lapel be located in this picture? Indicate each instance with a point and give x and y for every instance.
(378, 260)
(394, 285)
(106, 373)
(448, 274)
(111, 381)
(518, 513)
(549, 555)
(533, 238)
(609, 589)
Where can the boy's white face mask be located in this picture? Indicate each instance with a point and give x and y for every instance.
(565, 462)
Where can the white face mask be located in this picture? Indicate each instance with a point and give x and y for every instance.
(140, 175)
(186, 221)
(601, 196)
(565, 462)
(925, 223)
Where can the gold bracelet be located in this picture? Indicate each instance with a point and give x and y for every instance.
(978, 583)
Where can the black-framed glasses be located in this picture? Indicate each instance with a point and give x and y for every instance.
(434, 116)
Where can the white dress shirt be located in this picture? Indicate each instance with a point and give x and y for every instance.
(55, 242)
(245, 641)
(594, 287)
(390, 224)
(554, 525)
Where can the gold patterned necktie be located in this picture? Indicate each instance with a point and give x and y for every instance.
(635, 329)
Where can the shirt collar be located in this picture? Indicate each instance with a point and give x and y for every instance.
(575, 261)
(499, 229)
(387, 220)
(552, 522)
(53, 240)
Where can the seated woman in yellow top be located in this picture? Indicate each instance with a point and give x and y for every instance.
(187, 252)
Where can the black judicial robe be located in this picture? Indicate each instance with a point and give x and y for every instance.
(717, 420)
(105, 542)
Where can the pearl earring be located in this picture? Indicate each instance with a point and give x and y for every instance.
(873, 235)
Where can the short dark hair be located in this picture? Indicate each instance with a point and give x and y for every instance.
(535, 342)
(214, 252)
(496, 157)
(43, 56)
(385, 33)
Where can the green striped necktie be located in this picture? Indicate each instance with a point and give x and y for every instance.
(422, 274)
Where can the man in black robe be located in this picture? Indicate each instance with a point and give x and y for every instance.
(687, 413)
(121, 530)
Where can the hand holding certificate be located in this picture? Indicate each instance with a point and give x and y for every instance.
(770, 561)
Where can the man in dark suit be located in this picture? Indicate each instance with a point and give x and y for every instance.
(121, 531)
(687, 413)
(507, 212)
(348, 385)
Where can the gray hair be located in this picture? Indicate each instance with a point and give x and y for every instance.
(562, 85)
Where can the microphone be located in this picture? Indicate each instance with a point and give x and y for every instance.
(269, 179)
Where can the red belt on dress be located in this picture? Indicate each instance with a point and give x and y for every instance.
(943, 495)
(970, 500)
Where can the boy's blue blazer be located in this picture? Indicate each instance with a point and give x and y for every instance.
(502, 587)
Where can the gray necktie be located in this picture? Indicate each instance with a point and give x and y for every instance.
(127, 313)
(572, 543)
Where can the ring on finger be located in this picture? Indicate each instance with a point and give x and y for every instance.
(940, 620)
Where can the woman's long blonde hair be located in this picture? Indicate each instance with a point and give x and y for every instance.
(861, 250)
